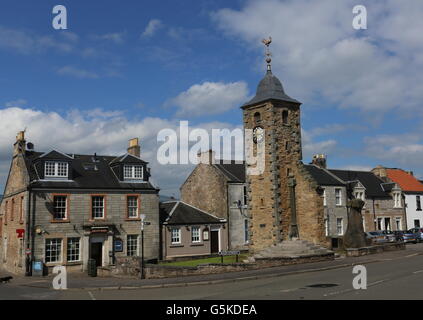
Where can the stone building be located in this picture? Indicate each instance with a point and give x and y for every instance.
(188, 231)
(411, 190)
(62, 209)
(218, 187)
(284, 201)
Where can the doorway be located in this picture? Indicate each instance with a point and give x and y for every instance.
(214, 241)
(97, 253)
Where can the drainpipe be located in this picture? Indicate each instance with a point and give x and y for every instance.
(229, 219)
(32, 230)
(405, 212)
(28, 233)
(374, 213)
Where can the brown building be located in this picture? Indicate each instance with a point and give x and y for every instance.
(189, 231)
(284, 201)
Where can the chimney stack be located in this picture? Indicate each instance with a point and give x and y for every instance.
(19, 145)
(380, 171)
(319, 160)
(207, 157)
(134, 147)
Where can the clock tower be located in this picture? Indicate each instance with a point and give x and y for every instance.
(274, 118)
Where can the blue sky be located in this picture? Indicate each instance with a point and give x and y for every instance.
(124, 70)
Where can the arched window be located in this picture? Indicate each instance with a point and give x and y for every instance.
(257, 117)
(285, 116)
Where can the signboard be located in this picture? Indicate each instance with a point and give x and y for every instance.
(118, 245)
(228, 253)
(20, 233)
(27, 252)
(37, 268)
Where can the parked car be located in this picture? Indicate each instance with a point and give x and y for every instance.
(376, 237)
(389, 235)
(409, 236)
(418, 232)
(399, 236)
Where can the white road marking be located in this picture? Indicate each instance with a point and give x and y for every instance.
(91, 295)
(411, 255)
(351, 290)
(418, 271)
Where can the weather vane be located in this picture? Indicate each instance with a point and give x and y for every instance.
(267, 43)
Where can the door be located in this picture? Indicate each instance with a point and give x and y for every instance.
(214, 241)
(97, 253)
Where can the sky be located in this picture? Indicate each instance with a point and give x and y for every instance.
(124, 70)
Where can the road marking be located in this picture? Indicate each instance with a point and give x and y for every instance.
(351, 290)
(412, 255)
(91, 295)
(418, 271)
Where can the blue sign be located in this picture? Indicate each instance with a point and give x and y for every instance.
(38, 266)
(118, 245)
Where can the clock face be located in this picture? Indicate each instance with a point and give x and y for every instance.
(258, 134)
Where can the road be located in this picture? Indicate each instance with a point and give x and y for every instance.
(392, 278)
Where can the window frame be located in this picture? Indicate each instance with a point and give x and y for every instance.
(138, 202)
(92, 218)
(133, 172)
(78, 249)
(131, 243)
(198, 235)
(397, 199)
(340, 226)
(325, 200)
(172, 235)
(340, 197)
(60, 251)
(418, 203)
(67, 201)
(56, 169)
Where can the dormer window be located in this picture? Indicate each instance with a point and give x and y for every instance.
(132, 172)
(56, 169)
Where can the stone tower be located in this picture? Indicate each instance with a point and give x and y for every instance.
(274, 115)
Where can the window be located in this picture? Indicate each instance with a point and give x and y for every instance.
(339, 226)
(338, 197)
(388, 224)
(132, 172)
(21, 210)
(257, 117)
(379, 224)
(398, 224)
(359, 195)
(246, 233)
(97, 207)
(245, 196)
(53, 250)
(132, 202)
(73, 250)
(12, 210)
(195, 234)
(416, 223)
(397, 199)
(56, 169)
(285, 116)
(60, 207)
(418, 203)
(175, 235)
(324, 197)
(6, 207)
(132, 245)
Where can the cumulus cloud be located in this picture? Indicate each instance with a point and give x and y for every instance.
(151, 28)
(115, 37)
(316, 49)
(95, 131)
(210, 98)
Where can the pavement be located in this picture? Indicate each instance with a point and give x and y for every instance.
(79, 281)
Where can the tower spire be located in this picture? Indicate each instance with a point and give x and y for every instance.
(267, 53)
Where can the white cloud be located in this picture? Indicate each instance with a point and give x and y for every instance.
(316, 50)
(151, 28)
(16, 103)
(77, 73)
(94, 131)
(210, 98)
(115, 37)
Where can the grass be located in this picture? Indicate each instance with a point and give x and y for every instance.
(196, 262)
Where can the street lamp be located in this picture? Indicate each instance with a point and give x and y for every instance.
(142, 216)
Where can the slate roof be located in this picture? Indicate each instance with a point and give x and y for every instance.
(181, 213)
(323, 177)
(99, 176)
(371, 182)
(270, 88)
(234, 171)
(406, 181)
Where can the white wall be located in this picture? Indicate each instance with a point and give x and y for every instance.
(411, 210)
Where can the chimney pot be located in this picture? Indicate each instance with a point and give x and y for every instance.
(134, 147)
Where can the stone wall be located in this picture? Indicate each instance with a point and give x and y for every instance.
(383, 208)
(206, 189)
